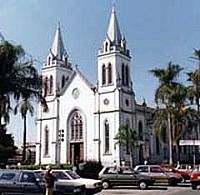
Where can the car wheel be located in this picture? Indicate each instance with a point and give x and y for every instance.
(194, 187)
(105, 184)
(143, 185)
(172, 182)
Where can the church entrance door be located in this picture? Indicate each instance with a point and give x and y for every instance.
(76, 153)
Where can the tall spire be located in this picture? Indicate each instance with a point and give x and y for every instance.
(57, 48)
(113, 32)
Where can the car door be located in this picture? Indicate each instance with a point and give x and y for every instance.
(158, 174)
(9, 183)
(29, 185)
(126, 177)
(110, 174)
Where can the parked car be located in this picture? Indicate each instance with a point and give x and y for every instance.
(27, 183)
(67, 176)
(195, 177)
(185, 170)
(171, 171)
(160, 176)
(123, 176)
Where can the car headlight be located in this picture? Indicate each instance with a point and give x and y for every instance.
(97, 184)
(77, 190)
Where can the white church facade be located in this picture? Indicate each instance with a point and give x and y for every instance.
(83, 118)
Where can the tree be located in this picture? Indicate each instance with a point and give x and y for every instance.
(169, 96)
(24, 106)
(194, 78)
(7, 148)
(19, 79)
(127, 137)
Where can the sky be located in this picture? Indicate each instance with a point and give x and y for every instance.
(156, 31)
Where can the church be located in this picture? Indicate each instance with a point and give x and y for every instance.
(83, 118)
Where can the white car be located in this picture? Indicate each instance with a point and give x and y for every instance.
(92, 186)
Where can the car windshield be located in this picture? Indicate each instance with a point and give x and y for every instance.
(60, 175)
(73, 174)
(196, 168)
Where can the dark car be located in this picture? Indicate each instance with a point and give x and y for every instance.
(123, 176)
(26, 182)
(160, 175)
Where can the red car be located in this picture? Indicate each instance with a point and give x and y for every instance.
(195, 177)
(184, 170)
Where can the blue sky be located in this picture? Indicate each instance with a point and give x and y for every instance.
(156, 31)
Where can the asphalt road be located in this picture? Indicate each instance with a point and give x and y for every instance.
(157, 190)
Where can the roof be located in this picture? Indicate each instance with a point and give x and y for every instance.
(113, 32)
(76, 72)
(58, 49)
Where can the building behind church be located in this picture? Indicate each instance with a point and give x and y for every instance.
(83, 118)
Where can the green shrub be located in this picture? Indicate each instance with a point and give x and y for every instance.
(89, 169)
(43, 166)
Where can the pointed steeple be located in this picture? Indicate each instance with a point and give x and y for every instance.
(113, 32)
(57, 49)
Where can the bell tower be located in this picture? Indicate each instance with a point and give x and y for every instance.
(56, 73)
(116, 99)
(114, 59)
(57, 70)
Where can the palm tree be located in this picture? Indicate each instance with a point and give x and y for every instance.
(127, 137)
(18, 79)
(24, 106)
(168, 96)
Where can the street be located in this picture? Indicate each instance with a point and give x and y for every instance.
(157, 190)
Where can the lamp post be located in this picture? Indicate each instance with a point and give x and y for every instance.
(145, 130)
(40, 142)
(193, 148)
(99, 126)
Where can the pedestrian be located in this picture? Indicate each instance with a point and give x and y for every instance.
(49, 181)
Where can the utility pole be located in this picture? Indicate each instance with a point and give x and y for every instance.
(57, 127)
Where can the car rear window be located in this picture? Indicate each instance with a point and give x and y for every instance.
(143, 169)
(7, 176)
(111, 170)
(155, 170)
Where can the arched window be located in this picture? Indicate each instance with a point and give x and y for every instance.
(127, 76)
(63, 81)
(46, 141)
(103, 74)
(49, 60)
(164, 134)
(107, 137)
(127, 141)
(106, 47)
(76, 127)
(51, 85)
(109, 73)
(45, 85)
(123, 79)
(157, 146)
(140, 130)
